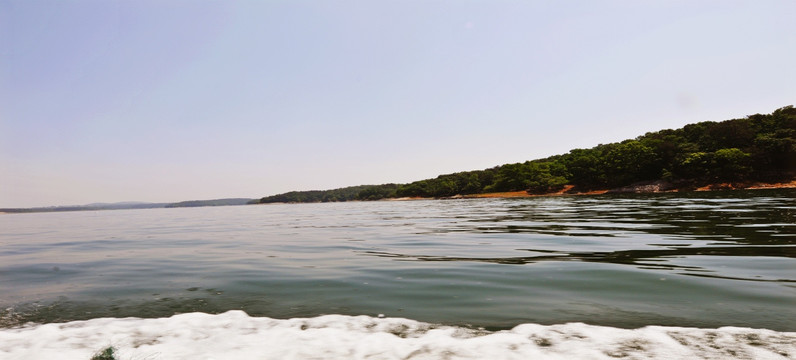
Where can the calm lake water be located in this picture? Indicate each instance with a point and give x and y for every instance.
(700, 260)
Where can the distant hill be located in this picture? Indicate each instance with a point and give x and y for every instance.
(88, 207)
(216, 202)
(131, 205)
(758, 148)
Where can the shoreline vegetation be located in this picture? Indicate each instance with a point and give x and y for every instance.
(756, 152)
(643, 188)
(568, 190)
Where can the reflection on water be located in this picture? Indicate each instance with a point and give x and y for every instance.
(724, 216)
(646, 259)
(702, 259)
(716, 224)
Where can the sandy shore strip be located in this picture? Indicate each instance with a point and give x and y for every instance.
(567, 191)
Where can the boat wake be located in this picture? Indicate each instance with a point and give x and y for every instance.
(236, 335)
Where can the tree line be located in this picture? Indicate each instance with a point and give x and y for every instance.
(760, 147)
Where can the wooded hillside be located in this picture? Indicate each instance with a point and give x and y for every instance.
(756, 148)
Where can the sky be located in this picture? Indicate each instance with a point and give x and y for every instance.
(171, 100)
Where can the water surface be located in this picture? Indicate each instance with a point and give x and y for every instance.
(701, 260)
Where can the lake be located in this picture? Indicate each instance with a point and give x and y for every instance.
(696, 260)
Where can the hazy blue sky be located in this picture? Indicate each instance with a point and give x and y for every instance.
(160, 100)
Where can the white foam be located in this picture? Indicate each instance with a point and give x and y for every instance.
(235, 335)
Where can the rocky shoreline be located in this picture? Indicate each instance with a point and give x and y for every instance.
(659, 186)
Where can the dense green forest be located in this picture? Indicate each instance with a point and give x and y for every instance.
(756, 148)
(361, 192)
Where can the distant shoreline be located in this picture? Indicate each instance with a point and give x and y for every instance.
(644, 188)
(128, 205)
(568, 190)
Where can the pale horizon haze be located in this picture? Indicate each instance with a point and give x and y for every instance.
(164, 101)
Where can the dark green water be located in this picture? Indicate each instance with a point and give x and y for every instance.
(703, 259)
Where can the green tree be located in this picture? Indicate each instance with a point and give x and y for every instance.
(511, 177)
(630, 161)
(546, 176)
(730, 164)
(695, 165)
(586, 167)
